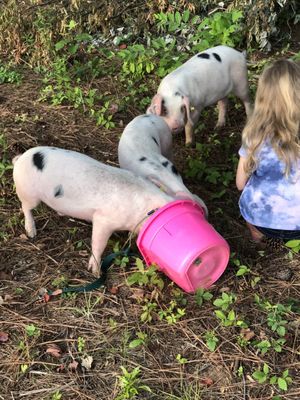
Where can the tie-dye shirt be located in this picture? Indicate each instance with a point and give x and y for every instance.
(269, 199)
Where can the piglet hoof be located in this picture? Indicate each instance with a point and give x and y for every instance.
(94, 266)
(31, 232)
(220, 124)
(191, 145)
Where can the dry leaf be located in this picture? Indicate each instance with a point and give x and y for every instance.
(137, 294)
(206, 381)
(86, 362)
(3, 337)
(113, 290)
(23, 237)
(247, 333)
(83, 253)
(73, 365)
(60, 368)
(54, 350)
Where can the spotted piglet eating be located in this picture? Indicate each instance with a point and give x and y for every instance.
(78, 186)
(205, 79)
(145, 148)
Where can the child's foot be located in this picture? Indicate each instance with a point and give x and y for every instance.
(256, 235)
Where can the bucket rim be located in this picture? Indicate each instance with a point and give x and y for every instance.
(162, 209)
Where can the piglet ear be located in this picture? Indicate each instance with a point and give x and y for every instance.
(156, 105)
(186, 103)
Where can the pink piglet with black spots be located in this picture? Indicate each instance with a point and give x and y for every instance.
(78, 186)
(203, 80)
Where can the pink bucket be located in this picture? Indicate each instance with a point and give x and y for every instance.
(184, 245)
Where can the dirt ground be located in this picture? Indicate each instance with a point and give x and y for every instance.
(107, 320)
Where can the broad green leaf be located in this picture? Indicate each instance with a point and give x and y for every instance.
(282, 384)
(293, 243)
(59, 45)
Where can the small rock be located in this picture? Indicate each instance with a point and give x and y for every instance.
(284, 274)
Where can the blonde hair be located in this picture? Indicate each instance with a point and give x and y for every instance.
(276, 115)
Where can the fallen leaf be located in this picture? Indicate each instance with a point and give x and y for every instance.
(206, 381)
(60, 368)
(224, 289)
(86, 362)
(247, 333)
(73, 365)
(23, 237)
(137, 294)
(54, 350)
(113, 290)
(3, 337)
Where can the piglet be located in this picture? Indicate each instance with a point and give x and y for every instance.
(205, 79)
(76, 185)
(145, 147)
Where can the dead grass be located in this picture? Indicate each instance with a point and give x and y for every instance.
(108, 320)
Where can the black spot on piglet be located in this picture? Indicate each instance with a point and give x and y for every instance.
(143, 159)
(174, 170)
(58, 191)
(39, 160)
(203, 55)
(165, 163)
(217, 57)
(155, 140)
(178, 94)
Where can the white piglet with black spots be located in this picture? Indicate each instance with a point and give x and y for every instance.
(145, 147)
(205, 79)
(78, 186)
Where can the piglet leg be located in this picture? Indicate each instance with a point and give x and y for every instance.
(189, 135)
(101, 233)
(29, 221)
(222, 106)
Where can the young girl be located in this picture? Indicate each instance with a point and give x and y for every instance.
(268, 171)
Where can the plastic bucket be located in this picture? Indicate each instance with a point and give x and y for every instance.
(184, 245)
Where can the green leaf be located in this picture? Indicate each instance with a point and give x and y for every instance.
(218, 302)
(266, 369)
(281, 330)
(220, 314)
(207, 296)
(231, 315)
(177, 17)
(236, 15)
(259, 376)
(282, 384)
(59, 45)
(140, 264)
(186, 16)
(72, 24)
(285, 373)
(135, 343)
(293, 243)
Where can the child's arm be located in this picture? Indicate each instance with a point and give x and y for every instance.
(241, 176)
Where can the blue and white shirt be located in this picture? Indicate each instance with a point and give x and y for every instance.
(270, 199)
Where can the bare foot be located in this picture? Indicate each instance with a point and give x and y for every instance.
(257, 236)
